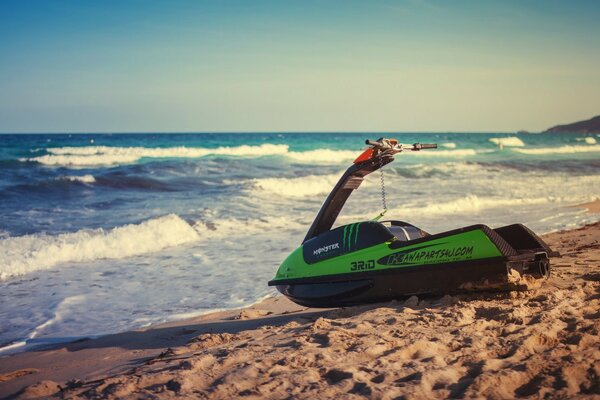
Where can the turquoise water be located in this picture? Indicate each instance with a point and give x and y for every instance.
(100, 233)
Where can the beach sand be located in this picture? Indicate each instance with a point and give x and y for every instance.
(592, 206)
(541, 343)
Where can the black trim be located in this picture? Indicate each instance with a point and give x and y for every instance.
(523, 239)
(351, 276)
(369, 287)
(343, 189)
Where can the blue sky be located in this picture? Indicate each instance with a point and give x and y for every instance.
(132, 66)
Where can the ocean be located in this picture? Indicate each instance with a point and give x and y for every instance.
(100, 233)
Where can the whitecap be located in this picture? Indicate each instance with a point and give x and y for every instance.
(24, 254)
(508, 141)
(76, 178)
(323, 156)
(304, 186)
(105, 155)
(449, 145)
(560, 150)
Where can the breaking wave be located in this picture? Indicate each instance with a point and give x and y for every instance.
(466, 205)
(105, 155)
(24, 254)
(472, 203)
(444, 153)
(560, 150)
(310, 185)
(587, 139)
(227, 228)
(508, 141)
(98, 156)
(323, 156)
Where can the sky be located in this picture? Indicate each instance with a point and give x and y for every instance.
(242, 65)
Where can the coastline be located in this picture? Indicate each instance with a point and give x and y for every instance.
(278, 348)
(592, 207)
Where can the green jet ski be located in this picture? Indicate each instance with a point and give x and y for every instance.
(373, 261)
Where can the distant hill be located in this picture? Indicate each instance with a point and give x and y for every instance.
(589, 126)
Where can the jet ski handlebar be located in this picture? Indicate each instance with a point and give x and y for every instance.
(392, 145)
(379, 153)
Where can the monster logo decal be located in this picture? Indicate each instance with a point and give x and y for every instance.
(350, 237)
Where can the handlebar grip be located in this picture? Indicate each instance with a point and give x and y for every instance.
(421, 146)
(376, 143)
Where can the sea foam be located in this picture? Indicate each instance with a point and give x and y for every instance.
(323, 156)
(587, 139)
(98, 156)
(105, 155)
(219, 228)
(471, 203)
(304, 186)
(508, 141)
(444, 153)
(24, 254)
(560, 150)
(78, 178)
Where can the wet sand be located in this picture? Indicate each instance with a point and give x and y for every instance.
(542, 343)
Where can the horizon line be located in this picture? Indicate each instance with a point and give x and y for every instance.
(249, 132)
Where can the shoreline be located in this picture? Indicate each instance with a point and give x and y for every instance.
(48, 344)
(26, 345)
(90, 363)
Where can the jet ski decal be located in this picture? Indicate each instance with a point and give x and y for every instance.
(432, 256)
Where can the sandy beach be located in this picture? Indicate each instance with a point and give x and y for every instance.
(541, 343)
(175, 175)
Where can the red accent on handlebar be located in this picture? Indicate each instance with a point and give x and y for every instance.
(365, 156)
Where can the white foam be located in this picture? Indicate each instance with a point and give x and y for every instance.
(241, 303)
(59, 314)
(587, 139)
(560, 150)
(226, 228)
(24, 254)
(89, 156)
(310, 185)
(470, 204)
(449, 145)
(508, 141)
(61, 311)
(84, 161)
(76, 178)
(104, 155)
(444, 153)
(328, 156)
(323, 156)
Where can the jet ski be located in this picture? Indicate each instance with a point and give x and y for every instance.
(372, 261)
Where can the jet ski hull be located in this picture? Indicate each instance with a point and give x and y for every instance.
(471, 258)
(369, 261)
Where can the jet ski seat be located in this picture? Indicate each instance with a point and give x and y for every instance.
(404, 231)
